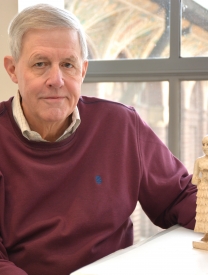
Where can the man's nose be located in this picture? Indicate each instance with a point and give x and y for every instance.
(55, 77)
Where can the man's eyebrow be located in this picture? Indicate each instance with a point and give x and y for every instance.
(72, 58)
(39, 57)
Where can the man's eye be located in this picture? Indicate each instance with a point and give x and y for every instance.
(68, 65)
(39, 64)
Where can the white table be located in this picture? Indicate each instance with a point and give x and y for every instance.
(167, 253)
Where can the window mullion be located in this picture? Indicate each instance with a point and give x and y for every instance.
(174, 116)
(175, 29)
(174, 83)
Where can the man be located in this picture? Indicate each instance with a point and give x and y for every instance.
(73, 168)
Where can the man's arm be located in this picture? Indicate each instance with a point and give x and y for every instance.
(7, 267)
(166, 193)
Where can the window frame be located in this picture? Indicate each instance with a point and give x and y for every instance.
(173, 69)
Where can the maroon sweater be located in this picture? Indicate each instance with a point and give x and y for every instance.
(64, 205)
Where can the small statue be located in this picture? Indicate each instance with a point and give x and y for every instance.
(200, 178)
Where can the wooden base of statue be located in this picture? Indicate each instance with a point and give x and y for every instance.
(200, 245)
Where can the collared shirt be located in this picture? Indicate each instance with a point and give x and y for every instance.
(32, 135)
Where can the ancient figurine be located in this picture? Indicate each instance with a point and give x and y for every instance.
(200, 178)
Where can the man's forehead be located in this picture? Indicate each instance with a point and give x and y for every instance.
(44, 36)
(44, 56)
(38, 44)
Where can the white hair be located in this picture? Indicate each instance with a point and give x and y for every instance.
(43, 16)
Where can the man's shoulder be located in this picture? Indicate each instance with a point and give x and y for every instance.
(5, 113)
(105, 114)
(2, 108)
(103, 104)
(5, 105)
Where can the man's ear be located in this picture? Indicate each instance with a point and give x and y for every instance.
(10, 65)
(84, 69)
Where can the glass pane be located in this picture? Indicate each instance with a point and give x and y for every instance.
(194, 28)
(151, 100)
(118, 29)
(194, 120)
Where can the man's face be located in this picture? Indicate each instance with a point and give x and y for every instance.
(49, 74)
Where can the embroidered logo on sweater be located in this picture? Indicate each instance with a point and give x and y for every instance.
(98, 179)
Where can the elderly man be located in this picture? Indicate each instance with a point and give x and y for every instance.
(73, 168)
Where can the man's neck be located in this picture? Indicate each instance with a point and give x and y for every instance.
(51, 131)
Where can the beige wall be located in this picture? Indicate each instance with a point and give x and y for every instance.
(8, 9)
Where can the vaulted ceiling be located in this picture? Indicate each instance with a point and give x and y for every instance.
(135, 29)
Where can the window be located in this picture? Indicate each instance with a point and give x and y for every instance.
(132, 29)
(194, 120)
(194, 35)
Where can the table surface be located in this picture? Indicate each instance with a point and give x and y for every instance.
(167, 253)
